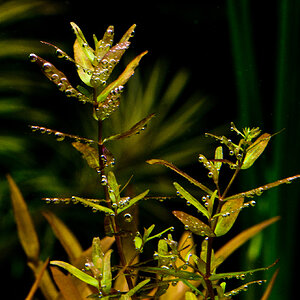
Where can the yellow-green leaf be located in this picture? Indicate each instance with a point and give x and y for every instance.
(106, 281)
(229, 212)
(190, 296)
(76, 272)
(133, 201)
(255, 150)
(90, 154)
(123, 78)
(26, 231)
(65, 236)
(188, 197)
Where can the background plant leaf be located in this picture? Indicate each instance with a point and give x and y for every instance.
(26, 231)
(67, 239)
(65, 284)
(239, 240)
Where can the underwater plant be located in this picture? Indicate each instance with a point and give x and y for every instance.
(111, 268)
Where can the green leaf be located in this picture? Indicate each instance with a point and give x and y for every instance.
(218, 156)
(26, 231)
(183, 174)
(240, 274)
(97, 253)
(90, 154)
(136, 288)
(188, 197)
(137, 128)
(114, 192)
(85, 50)
(106, 281)
(193, 224)
(229, 212)
(239, 240)
(190, 296)
(243, 288)
(133, 201)
(163, 253)
(76, 272)
(128, 34)
(258, 191)
(255, 150)
(102, 46)
(192, 287)
(172, 272)
(122, 79)
(138, 242)
(89, 202)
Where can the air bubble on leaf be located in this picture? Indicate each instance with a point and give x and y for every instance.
(231, 152)
(252, 203)
(201, 158)
(203, 198)
(155, 255)
(60, 53)
(59, 136)
(94, 209)
(186, 227)
(47, 67)
(33, 57)
(227, 214)
(128, 218)
(210, 174)
(188, 203)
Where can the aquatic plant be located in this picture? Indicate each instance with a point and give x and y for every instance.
(177, 269)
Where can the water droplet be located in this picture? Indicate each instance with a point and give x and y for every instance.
(201, 158)
(186, 227)
(47, 67)
(60, 53)
(94, 209)
(155, 256)
(103, 180)
(227, 214)
(128, 217)
(242, 276)
(260, 282)
(188, 203)
(252, 203)
(33, 57)
(59, 136)
(172, 229)
(203, 198)
(34, 128)
(210, 174)
(231, 152)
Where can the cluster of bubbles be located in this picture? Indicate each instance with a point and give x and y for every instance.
(110, 104)
(60, 136)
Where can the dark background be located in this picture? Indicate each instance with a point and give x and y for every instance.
(241, 55)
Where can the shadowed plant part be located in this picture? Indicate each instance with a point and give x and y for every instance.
(113, 267)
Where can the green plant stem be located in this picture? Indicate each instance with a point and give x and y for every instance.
(112, 219)
(210, 239)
